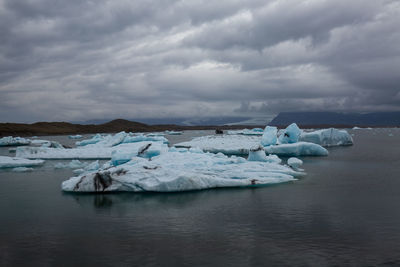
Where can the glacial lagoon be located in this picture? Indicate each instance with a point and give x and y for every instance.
(345, 211)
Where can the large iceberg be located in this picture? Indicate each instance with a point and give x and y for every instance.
(328, 137)
(94, 151)
(14, 141)
(182, 171)
(269, 136)
(297, 149)
(290, 135)
(226, 144)
(13, 162)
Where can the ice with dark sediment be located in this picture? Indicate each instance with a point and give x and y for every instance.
(175, 171)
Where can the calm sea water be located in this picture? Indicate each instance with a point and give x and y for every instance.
(345, 212)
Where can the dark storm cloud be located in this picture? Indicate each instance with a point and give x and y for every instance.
(76, 60)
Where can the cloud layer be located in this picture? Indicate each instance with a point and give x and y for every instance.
(77, 60)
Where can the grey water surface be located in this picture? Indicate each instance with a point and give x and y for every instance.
(345, 212)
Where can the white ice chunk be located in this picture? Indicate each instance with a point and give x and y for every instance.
(269, 136)
(94, 151)
(13, 162)
(290, 135)
(328, 137)
(295, 163)
(297, 149)
(177, 171)
(78, 136)
(257, 154)
(14, 141)
(227, 144)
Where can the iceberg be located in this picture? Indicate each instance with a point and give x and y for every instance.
(95, 139)
(290, 135)
(181, 171)
(78, 136)
(297, 149)
(226, 144)
(328, 137)
(173, 132)
(14, 141)
(13, 162)
(86, 152)
(269, 136)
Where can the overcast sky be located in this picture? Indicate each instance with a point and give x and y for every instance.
(76, 60)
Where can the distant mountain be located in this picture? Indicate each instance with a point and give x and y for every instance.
(199, 121)
(334, 118)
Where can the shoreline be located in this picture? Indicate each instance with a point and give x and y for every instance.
(65, 128)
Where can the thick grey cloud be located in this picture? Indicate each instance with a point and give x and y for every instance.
(77, 60)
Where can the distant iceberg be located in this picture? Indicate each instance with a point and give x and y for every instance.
(13, 162)
(14, 141)
(182, 171)
(120, 138)
(254, 131)
(328, 137)
(86, 152)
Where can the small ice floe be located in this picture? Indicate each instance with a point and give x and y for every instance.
(173, 132)
(182, 171)
(13, 162)
(390, 134)
(295, 163)
(328, 137)
(14, 141)
(78, 136)
(22, 169)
